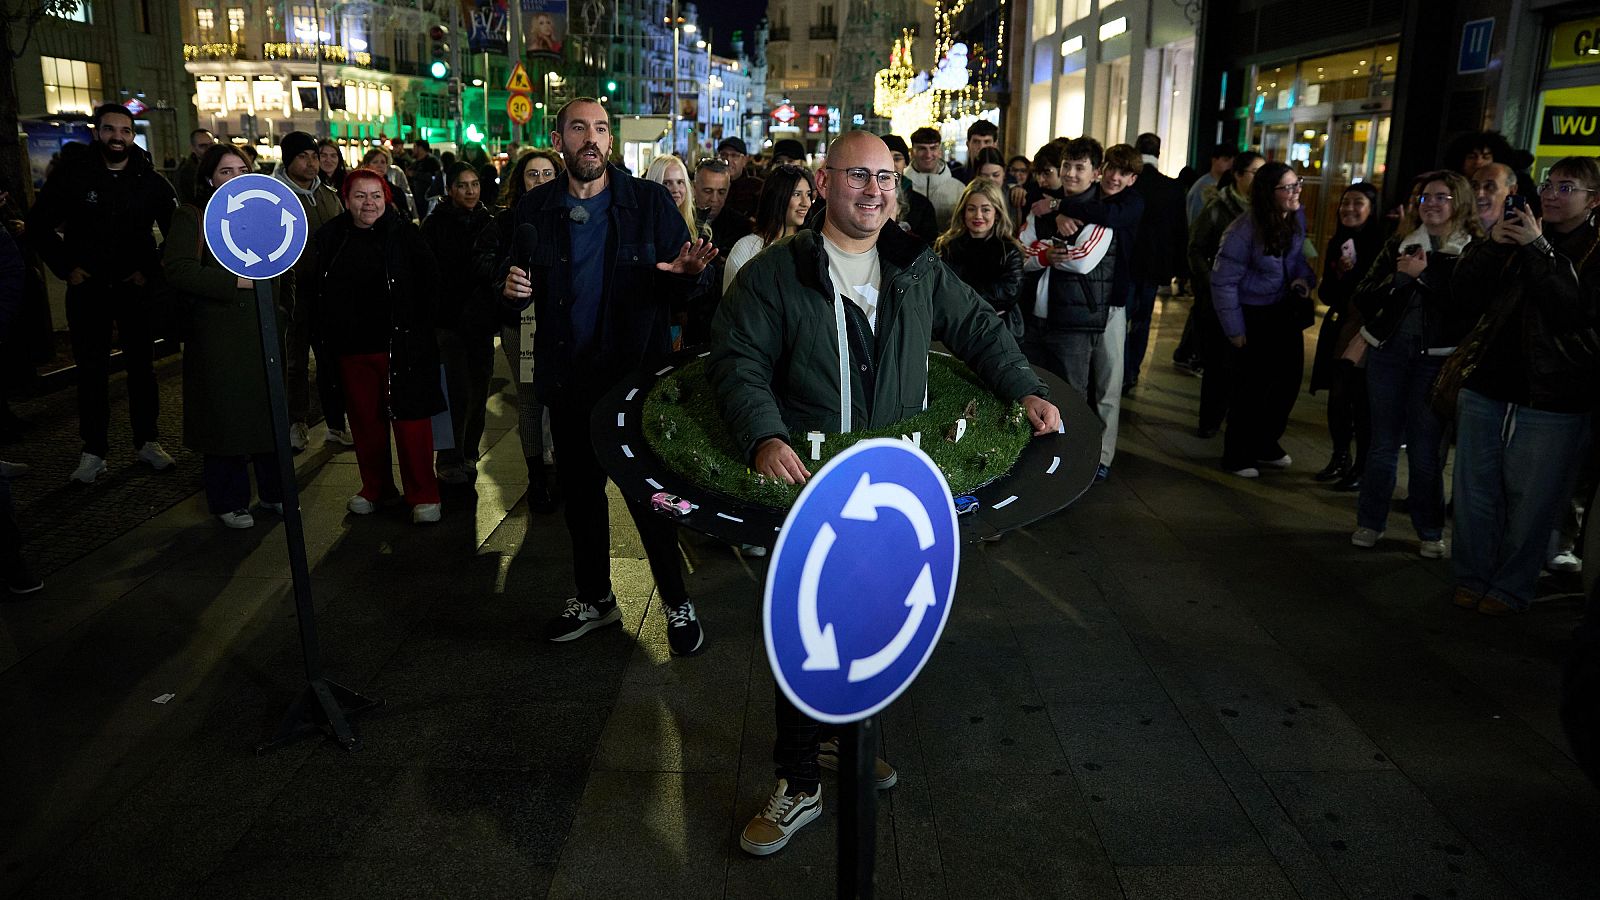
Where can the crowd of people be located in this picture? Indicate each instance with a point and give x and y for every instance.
(1466, 315)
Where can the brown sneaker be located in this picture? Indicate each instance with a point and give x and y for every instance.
(1490, 606)
(785, 814)
(1466, 598)
(883, 775)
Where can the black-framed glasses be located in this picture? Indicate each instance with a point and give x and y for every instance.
(1565, 188)
(1293, 187)
(857, 177)
(1430, 199)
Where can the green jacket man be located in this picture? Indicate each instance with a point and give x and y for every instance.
(829, 331)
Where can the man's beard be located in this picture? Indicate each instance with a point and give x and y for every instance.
(586, 170)
(114, 154)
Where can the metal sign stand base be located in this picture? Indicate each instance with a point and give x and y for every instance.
(323, 706)
(858, 809)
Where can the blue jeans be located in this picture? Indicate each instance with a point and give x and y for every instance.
(1399, 378)
(1515, 467)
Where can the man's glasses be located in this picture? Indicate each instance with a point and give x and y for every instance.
(858, 177)
(1291, 188)
(1432, 199)
(1565, 189)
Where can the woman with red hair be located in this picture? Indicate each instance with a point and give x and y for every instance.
(377, 284)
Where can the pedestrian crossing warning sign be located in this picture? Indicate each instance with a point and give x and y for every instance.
(518, 82)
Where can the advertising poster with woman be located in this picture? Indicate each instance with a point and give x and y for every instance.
(544, 24)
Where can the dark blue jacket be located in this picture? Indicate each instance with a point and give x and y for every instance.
(644, 228)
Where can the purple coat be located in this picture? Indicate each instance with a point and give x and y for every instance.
(1245, 276)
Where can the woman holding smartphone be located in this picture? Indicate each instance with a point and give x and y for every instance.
(1523, 415)
(1412, 323)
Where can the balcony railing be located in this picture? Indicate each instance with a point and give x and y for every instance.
(824, 32)
(330, 53)
(192, 52)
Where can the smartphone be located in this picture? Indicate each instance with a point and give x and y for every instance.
(1516, 203)
(1410, 249)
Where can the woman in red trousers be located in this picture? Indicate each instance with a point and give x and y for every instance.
(377, 283)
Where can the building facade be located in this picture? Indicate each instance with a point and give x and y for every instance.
(105, 51)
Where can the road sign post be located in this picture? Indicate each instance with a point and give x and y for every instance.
(858, 591)
(255, 228)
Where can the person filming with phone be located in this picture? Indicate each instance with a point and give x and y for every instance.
(1412, 323)
(1529, 391)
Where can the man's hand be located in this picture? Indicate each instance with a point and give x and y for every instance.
(1059, 253)
(136, 279)
(517, 286)
(245, 284)
(77, 276)
(1517, 227)
(1042, 413)
(1042, 205)
(1067, 226)
(1018, 196)
(692, 259)
(777, 460)
(1237, 341)
(1300, 286)
(1413, 264)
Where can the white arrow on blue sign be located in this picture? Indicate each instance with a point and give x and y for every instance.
(255, 226)
(861, 581)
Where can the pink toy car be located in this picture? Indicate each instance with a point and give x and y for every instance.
(671, 504)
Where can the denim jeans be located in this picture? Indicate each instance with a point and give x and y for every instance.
(1063, 352)
(1399, 378)
(1515, 467)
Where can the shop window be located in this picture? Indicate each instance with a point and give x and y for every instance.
(1044, 19)
(70, 85)
(1363, 74)
(1275, 88)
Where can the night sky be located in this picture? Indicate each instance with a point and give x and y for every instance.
(724, 17)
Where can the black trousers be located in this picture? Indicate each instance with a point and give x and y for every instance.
(11, 564)
(1348, 416)
(227, 481)
(583, 482)
(94, 308)
(468, 363)
(1216, 356)
(794, 748)
(298, 348)
(1266, 383)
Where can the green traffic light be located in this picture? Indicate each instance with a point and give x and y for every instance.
(611, 87)
(440, 69)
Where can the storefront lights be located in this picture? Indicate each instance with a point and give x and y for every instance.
(1111, 29)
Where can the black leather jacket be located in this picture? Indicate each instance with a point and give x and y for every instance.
(992, 267)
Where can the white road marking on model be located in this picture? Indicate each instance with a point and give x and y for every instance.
(664, 371)
(653, 483)
(1053, 463)
(631, 394)
(722, 515)
(1006, 502)
(627, 451)
(619, 419)
(705, 354)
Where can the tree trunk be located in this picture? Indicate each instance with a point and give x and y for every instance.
(15, 173)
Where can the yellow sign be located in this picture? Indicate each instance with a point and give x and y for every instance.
(1569, 125)
(518, 81)
(1575, 44)
(520, 108)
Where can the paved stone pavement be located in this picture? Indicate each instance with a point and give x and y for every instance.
(1185, 686)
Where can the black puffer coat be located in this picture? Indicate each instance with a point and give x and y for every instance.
(991, 266)
(410, 277)
(452, 233)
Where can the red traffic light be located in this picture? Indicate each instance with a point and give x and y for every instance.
(438, 33)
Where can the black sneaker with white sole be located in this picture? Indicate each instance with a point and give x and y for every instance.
(684, 633)
(580, 618)
(884, 775)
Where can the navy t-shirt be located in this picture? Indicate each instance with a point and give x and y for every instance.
(588, 268)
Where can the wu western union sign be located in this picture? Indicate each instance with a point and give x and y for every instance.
(1570, 126)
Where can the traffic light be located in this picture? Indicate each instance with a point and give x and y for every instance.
(611, 87)
(438, 39)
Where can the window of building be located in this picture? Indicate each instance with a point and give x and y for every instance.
(236, 25)
(303, 24)
(141, 16)
(825, 15)
(205, 26)
(70, 85)
(824, 65)
(83, 13)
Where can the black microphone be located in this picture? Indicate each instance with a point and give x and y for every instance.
(523, 244)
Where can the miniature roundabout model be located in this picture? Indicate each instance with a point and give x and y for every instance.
(660, 438)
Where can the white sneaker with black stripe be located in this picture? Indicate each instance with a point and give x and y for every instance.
(785, 814)
(684, 634)
(580, 618)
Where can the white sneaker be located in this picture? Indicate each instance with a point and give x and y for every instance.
(770, 831)
(1246, 472)
(345, 437)
(13, 469)
(89, 468)
(361, 506)
(239, 518)
(298, 436)
(153, 455)
(1366, 537)
(1565, 561)
(275, 507)
(1282, 462)
(1431, 549)
(549, 457)
(424, 513)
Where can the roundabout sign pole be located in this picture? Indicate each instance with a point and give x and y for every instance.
(858, 592)
(256, 228)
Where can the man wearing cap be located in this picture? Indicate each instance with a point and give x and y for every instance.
(788, 152)
(744, 191)
(300, 173)
(915, 212)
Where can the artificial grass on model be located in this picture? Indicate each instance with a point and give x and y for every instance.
(684, 429)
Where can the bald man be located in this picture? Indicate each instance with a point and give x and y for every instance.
(1492, 183)
(775, 362)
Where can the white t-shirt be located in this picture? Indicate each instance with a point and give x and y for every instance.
(857, 276)
(742, 251)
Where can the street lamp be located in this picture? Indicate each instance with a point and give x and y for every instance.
(680, 26)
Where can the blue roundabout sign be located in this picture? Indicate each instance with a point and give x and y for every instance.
(255, 226)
